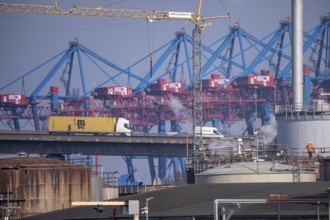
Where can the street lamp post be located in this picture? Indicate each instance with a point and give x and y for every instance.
(257, 150)
(146, 208)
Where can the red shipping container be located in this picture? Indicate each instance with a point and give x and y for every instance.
(54, 90)
(215, 76)
(254, 80)
(157, 87)
(222, 82)
(162, 81)
(265, 80)
(264, 72)
(174, 86)
(307, 70)
(103, 91)
(214, 82)
(209, 83)
(163, 86)
(13, 99)
(120, 90)
(113, 90)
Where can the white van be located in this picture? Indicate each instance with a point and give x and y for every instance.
(209, 132)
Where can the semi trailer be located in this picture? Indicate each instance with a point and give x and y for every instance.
(89, 125)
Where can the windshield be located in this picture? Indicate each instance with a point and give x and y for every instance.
(129, 126)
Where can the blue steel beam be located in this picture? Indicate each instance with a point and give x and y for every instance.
(188, 57)
(15, 120)
(181, 64)
(162, 160)
(176, 63)
(110, 78)
(35, 117)
(152, 169)
(230, 64)
(145, 82)
(216, 54)
(230, 61)
(328, 48)
(254, 42)
(112, 65)
(140, 79)
(45, 80)
(178, 163)
(261, 56)
(242, 49)
(318, 65)
(82, 75)
(32, 71)
(68, 85)
(318, 30)
(130, 167)
(278, 65)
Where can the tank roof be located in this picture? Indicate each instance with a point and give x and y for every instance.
(249, 168)
(24, 162)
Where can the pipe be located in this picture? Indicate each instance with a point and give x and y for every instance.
(297, 54)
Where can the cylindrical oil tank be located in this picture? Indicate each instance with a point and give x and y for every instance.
(294, 131)
(45, 184)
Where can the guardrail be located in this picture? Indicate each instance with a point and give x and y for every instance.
(318, 107)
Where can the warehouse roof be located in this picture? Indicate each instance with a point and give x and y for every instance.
(198, 200)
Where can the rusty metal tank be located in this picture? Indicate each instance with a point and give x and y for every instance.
(46, 184)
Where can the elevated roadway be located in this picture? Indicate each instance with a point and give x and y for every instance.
(139, 145)
(33, 142)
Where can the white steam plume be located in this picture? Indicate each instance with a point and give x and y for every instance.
(176, 106)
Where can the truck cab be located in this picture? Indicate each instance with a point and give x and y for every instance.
(209, 132)
(124, 127)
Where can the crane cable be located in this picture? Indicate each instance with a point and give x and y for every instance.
(223, 5)
(151, 44)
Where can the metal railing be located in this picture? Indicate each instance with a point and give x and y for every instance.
(110, 179)
(318, 107)
(297, 157)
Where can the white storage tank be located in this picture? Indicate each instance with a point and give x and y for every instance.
(294, 131)
(253, 172)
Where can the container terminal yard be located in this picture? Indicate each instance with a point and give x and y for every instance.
(222, 127)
